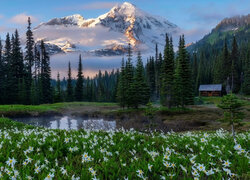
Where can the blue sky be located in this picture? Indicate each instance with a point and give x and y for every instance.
(196, 17)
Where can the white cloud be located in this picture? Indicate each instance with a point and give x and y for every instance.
(22, 18)
(85, 38)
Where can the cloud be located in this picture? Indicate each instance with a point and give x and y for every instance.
(85, 38)
(90, 6)
(22, 19)
(1, 16)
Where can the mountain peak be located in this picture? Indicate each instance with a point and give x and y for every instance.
(126, 9)
(131, 24)
(128, 5)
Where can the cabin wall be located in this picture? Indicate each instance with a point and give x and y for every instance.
(210, 93)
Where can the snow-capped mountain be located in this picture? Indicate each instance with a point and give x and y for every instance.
(107, 34)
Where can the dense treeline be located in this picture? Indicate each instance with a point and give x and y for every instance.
(24, 79)
(229, 65)
(169, 78)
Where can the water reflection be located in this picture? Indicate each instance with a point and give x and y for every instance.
(68, 123)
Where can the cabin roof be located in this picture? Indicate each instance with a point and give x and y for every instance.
(211, 87)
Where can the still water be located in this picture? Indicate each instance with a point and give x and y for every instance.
(69, 123)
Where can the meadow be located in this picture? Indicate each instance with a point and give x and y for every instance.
(28, 152)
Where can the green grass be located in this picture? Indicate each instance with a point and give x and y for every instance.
(211, 100)
(120, 154)
(25, 109)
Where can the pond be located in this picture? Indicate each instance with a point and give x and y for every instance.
(68, 123)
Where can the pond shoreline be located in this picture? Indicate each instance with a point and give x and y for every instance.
(193, 119)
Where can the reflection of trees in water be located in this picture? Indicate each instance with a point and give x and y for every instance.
(69, 123)
(58, 123)
(79, 124)
(45, 121)
(99, 125)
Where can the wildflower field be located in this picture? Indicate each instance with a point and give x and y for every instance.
(36, 153)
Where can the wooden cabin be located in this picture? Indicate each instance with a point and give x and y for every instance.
(210, 90)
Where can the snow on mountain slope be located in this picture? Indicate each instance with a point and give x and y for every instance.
(107, 34)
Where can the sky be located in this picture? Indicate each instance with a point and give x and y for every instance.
(195, 17)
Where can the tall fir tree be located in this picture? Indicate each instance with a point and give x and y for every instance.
(183, 77)
(16, 67)
(129, 74)
(37, 62)
(22, 92)
(141, 90)
(150, 68)
(195, 73)
(246, 74)
(7, 72)
(235, 70)
(79, 82)
(2, 75)
(34, 100)
(46, 87)
(70, 93)
(29, 59)
(158, 64)
(226, 65)
(58, 92)
(167, 88)
(122, 86)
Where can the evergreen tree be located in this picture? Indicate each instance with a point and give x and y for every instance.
(195, 73)
(183, 77)
(201, 73)
(37, 67)
(2, 75)
(235, 70)
(79, 82)
(58, 92)
(7, 98)
(122, 86)
(150, 68)
(158, 64)
(29, 58)
(246, 77)
(46, 88)
(22, 93)
(70, 96)
(226, 64)
(140, 88)
(34, 93)
(168, 74)
(129, 74)
(88, 90)
(16, 68)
